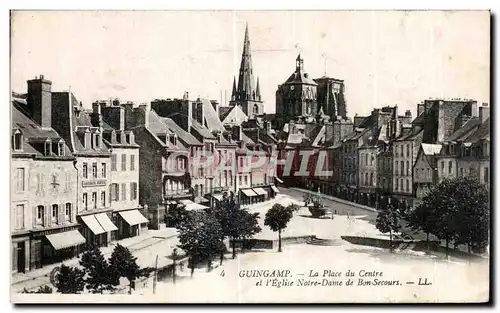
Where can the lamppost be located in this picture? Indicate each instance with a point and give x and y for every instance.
(174, 257)
(211, 178)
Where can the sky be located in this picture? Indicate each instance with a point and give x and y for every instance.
(384, 57)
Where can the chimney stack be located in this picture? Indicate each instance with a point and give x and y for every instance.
(39, 101)
(484, 112)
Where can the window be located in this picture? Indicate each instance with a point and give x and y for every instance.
(113, 162)
(408, 169)
(241, 161)
(366, 179)
(486, 175)
(461, 172)
(255, 108)
(450, 167)
(402, 186)
(397, 181)
(408, 151)
(132, 162)
(402, 168)
(133, 191)
(20, 180)
(114, 192)
(55, 213)
(48, 148)
(124, 162)
(124, 192)
(85, 201)
(40, 213)
(85, 173)
(94, 170)
(19, 216)
(18, 141)
(442, 167)
(416, 173)
(265, 178)
(407, 185)
(371, 179)
(396, 168)
(429, 173)
(103, 170)
(103, 199)
(94, 199)
(246, 180)
(240, 179)
(68, 213)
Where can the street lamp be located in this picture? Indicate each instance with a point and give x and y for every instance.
(174, 257)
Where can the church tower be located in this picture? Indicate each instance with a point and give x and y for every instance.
(247, 94)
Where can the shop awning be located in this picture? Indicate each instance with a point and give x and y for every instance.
(275, 189)
(105, 222)
(191, 206)
(66, 239)
(93, 224)
(249, 192)
(279, 180)
(218, 197)
(260, 191)
(133, 217)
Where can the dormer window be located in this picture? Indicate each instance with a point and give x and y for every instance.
(47, 148)
(127, 138)
(174, 140)
(17, 141)
(60, 149)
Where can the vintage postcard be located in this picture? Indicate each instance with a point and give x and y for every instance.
(250, 156)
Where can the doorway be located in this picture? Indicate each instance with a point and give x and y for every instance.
(21, 257)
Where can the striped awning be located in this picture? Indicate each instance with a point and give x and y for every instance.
(66, 239)
(191, 206)
(260, 191)
(218, 197)
(93, 224)
(275, 189)
(133, 217)
(105, 222)
(249, 192)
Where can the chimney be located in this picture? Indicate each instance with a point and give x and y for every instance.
(484, 112)
(237, 133)
(95, 116)
(143, 115)
(420, 108)
(408, 113)
(39, 101)
(267, 127)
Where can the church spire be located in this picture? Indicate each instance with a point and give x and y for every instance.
(257, 89)
(246, 87)
(233, 94)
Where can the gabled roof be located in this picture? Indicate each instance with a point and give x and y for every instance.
(299, 77)
(202, 130)
(183, 135)
(482, 132)
(234, 115)
(465, 131)
(156, 124)
(211, 119)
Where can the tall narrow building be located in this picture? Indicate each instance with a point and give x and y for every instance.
(247, 93)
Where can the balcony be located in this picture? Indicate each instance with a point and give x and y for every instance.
(94, 183)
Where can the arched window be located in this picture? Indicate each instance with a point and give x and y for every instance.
(407, 185)
(255, 109)
(371, 179)
(366, 178)
(408, 170)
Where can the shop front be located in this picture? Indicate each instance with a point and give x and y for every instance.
(274, 191)
(97, 229)
(261, 194)
(53, 246)
(247, 196)
(20, 253)
(132, 223)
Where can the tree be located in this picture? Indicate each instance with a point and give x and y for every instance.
(293, 207)
(70, 280)
(423, 218)
(200, 237)
(317, 210)
(100, 276)
(124, 264)
(277, 219)
(235, 222)
(388, 222)
(460, 207)
(175, 214)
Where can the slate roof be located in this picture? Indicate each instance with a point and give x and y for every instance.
(482, 132)
(181, 133)
(465, 131)
(224, 111)
(211, 119)
(202, 130)
(299, 77)
(156, 124)
(31, 130)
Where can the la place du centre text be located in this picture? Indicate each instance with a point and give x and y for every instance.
(284, 278)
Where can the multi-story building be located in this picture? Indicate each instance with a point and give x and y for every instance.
(124, 171)
(163, 163)
(44, 227)
(85, 141)
(331, 97)
(425, 174)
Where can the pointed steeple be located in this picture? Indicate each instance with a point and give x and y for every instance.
(246, 87)
(257, 89)
(233, 95)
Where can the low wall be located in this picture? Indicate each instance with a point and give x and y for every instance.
(253, 243)
(417, 245)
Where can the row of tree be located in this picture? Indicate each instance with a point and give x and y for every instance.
(456, 210)
(98, 274)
